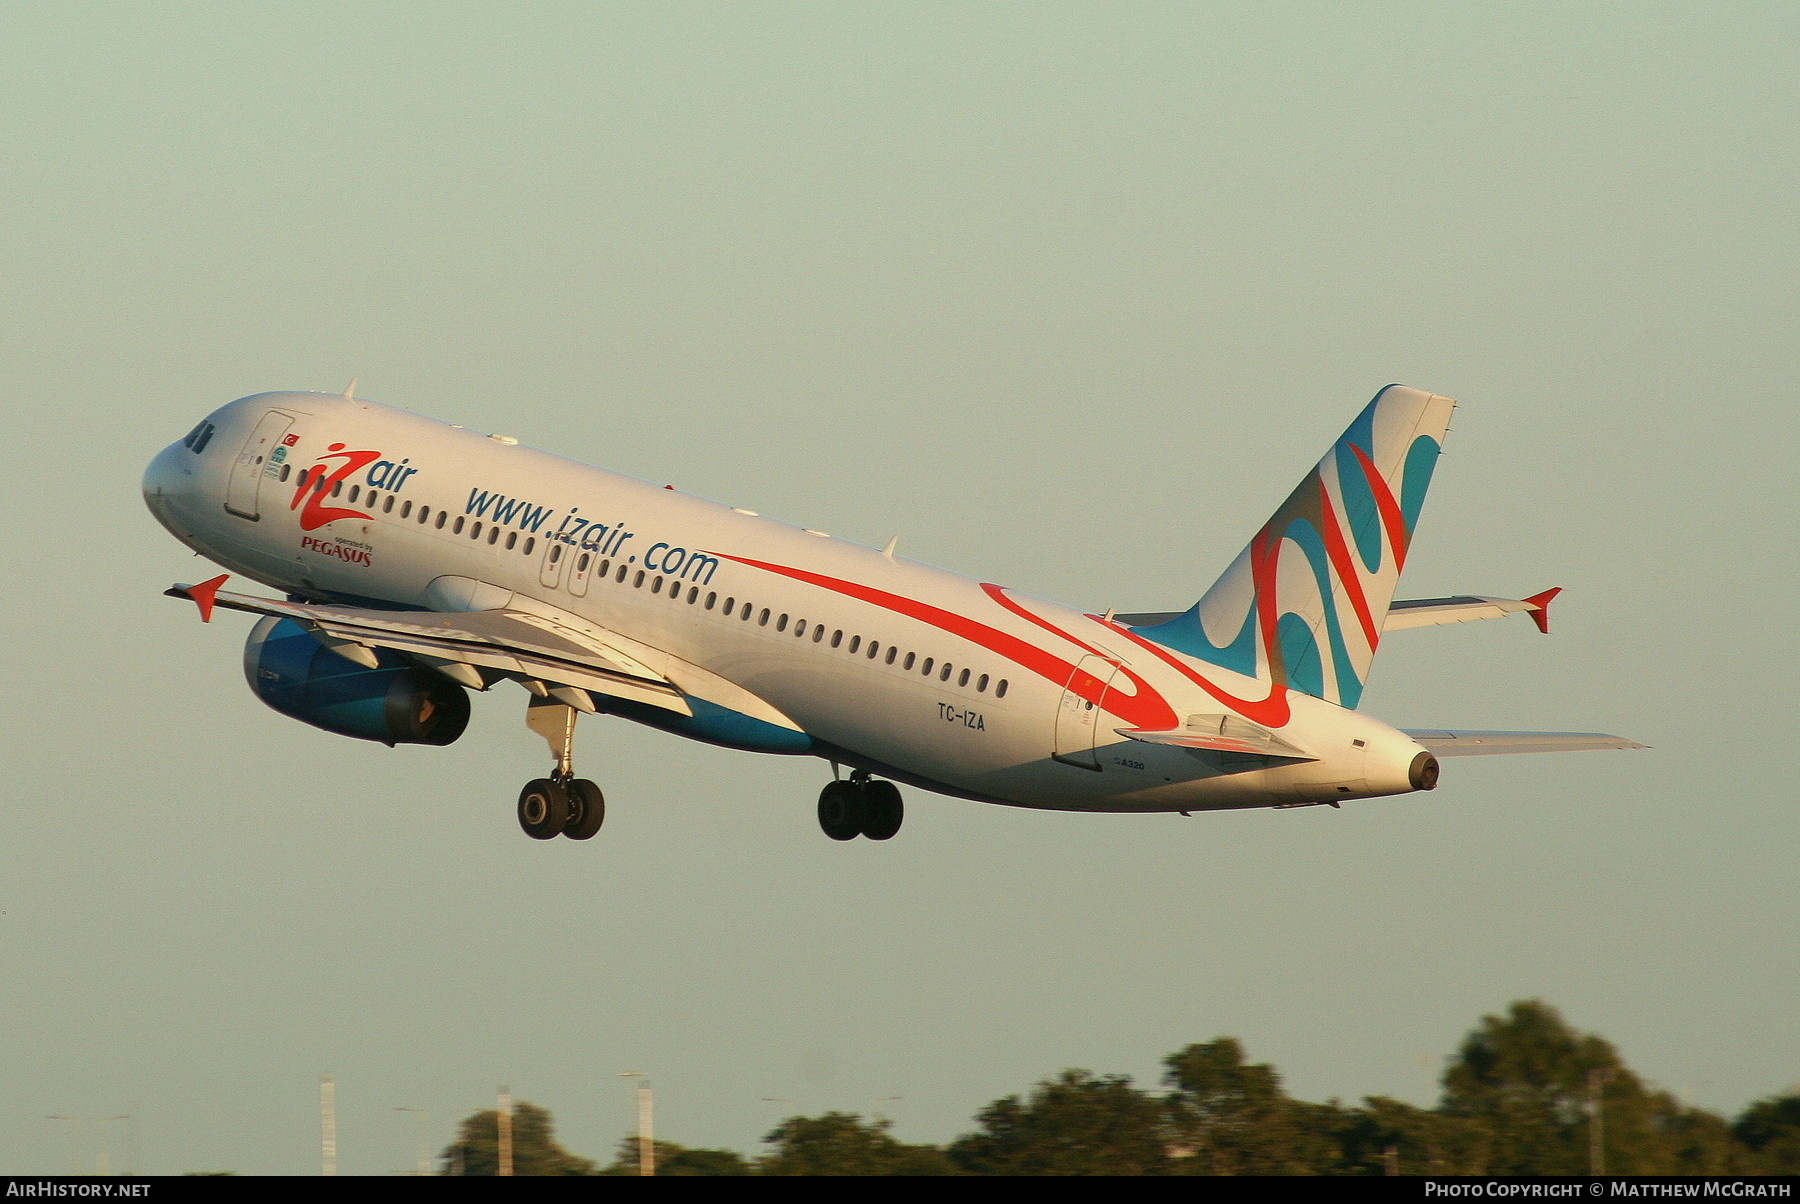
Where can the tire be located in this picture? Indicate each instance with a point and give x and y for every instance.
(543, 808)
(587, 810)
(841, 811)
(882, 810)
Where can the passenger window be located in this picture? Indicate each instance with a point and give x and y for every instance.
(710, 599)
(475, 531)
(837, 637)
(746, 612)
(818, 632)
(405, 509)
(512, 540)
(781, 624)
(604, 569)
(442, 514)
(1000, 690)
(890, 656)
(981, 684)
(762, 620)
(387, 505)
(694, 592)
(457, 526)
(855, 640)
(530, 543)
(581, 563)
(908, 664)
(637, 582)
(493, 536)
(623, 569)
(337, 488)
(555, 550)
(656, 585)
(285, 469)
(963, 678)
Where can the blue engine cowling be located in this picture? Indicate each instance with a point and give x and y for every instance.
(394, 703)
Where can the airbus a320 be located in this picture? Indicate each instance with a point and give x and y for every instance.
(418, 561)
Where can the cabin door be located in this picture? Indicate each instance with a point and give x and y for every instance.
(253, 463)
(1078, 715)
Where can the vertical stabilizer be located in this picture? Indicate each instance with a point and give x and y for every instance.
(1302, 606)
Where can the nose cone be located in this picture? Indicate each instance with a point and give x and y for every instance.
(170, 484)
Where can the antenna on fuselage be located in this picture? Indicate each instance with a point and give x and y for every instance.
(891, 545)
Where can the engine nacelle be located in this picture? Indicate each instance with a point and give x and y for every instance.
(394, 703)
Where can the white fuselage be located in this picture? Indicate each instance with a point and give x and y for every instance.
(768, 626)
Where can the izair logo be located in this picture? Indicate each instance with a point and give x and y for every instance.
(323, 480)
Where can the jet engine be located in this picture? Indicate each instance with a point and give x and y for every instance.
(394, 703)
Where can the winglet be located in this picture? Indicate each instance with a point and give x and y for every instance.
(202, 595)
(1540, 608)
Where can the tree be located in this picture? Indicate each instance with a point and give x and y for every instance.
(1388, 1137)
(1532, 1080)
(1770, 1132)
(1230, 1117)
(476, 1150)
(678, 1160)
(1561, 1102)
(840, 1143)
(1075, 1124)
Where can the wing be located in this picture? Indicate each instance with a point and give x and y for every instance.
(1480, 744)
(471, 648)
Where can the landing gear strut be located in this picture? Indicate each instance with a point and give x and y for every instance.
(861, 806)
(561, 804)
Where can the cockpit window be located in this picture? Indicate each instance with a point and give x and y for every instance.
(199, 437)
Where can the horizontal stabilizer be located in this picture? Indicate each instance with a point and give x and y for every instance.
(1222, 733)
(1422, 612)
(1481, 744)
(1431, 612)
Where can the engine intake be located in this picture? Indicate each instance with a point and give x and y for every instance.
(393, 703)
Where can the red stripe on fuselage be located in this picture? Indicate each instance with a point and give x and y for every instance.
(1146, 708)
(1272, 711)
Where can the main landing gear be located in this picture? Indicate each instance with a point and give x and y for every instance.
(861, 806)
(550, 807)
(561, 804)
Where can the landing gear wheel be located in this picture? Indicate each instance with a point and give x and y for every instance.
(882, 810)
(587, 809)
(841, 811)
(543, 808)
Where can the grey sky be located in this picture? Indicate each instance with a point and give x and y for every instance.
(1067, 295)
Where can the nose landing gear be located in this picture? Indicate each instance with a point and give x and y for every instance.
(561, 804)
(861, 806)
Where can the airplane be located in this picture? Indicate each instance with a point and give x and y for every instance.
(418, 561)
